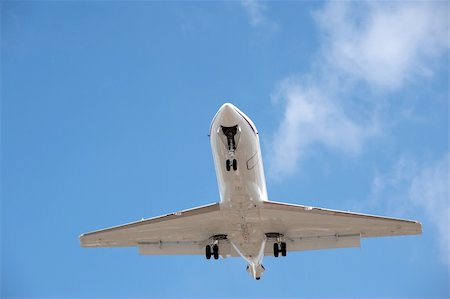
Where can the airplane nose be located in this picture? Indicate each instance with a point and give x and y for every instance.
(227, 108)
(228, 115)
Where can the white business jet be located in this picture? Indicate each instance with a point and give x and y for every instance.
(245, 223)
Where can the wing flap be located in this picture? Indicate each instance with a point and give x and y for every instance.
(317, 242)
(324, 242)
(186, 247)
(170, 248)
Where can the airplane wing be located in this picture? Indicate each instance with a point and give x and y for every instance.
(308, 228)
(185, 232)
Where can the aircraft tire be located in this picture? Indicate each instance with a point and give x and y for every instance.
(216, 251)
(234, 164)
(208, 252)
(227, 164)
(275, 250)
(283, 249)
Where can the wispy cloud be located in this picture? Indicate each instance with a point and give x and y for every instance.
(313, 117)
(382, 46)
(421, 186)
(256, 12)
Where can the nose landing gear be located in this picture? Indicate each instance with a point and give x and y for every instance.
(232, 135)
(231, 164)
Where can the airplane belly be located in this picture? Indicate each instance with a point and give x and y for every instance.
(244, 230)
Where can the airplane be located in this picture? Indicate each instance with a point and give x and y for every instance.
(245, 223)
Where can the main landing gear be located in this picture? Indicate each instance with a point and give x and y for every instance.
(212, 249)
(279, 246)
(231, 164)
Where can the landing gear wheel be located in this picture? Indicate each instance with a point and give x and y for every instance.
(216, 251)
(208, 252)
(234, 164)
(283, 248)
(227, 164)
(275, 250)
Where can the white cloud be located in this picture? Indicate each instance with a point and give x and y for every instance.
(256, 12)
(411, 185)
(386, 43)
(382, 44)
(312, 117)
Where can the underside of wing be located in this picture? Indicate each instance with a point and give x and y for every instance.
(184, 232)
(307, 228)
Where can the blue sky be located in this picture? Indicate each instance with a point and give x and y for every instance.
(105, 110)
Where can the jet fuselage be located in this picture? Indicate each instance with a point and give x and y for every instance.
(242, 186)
